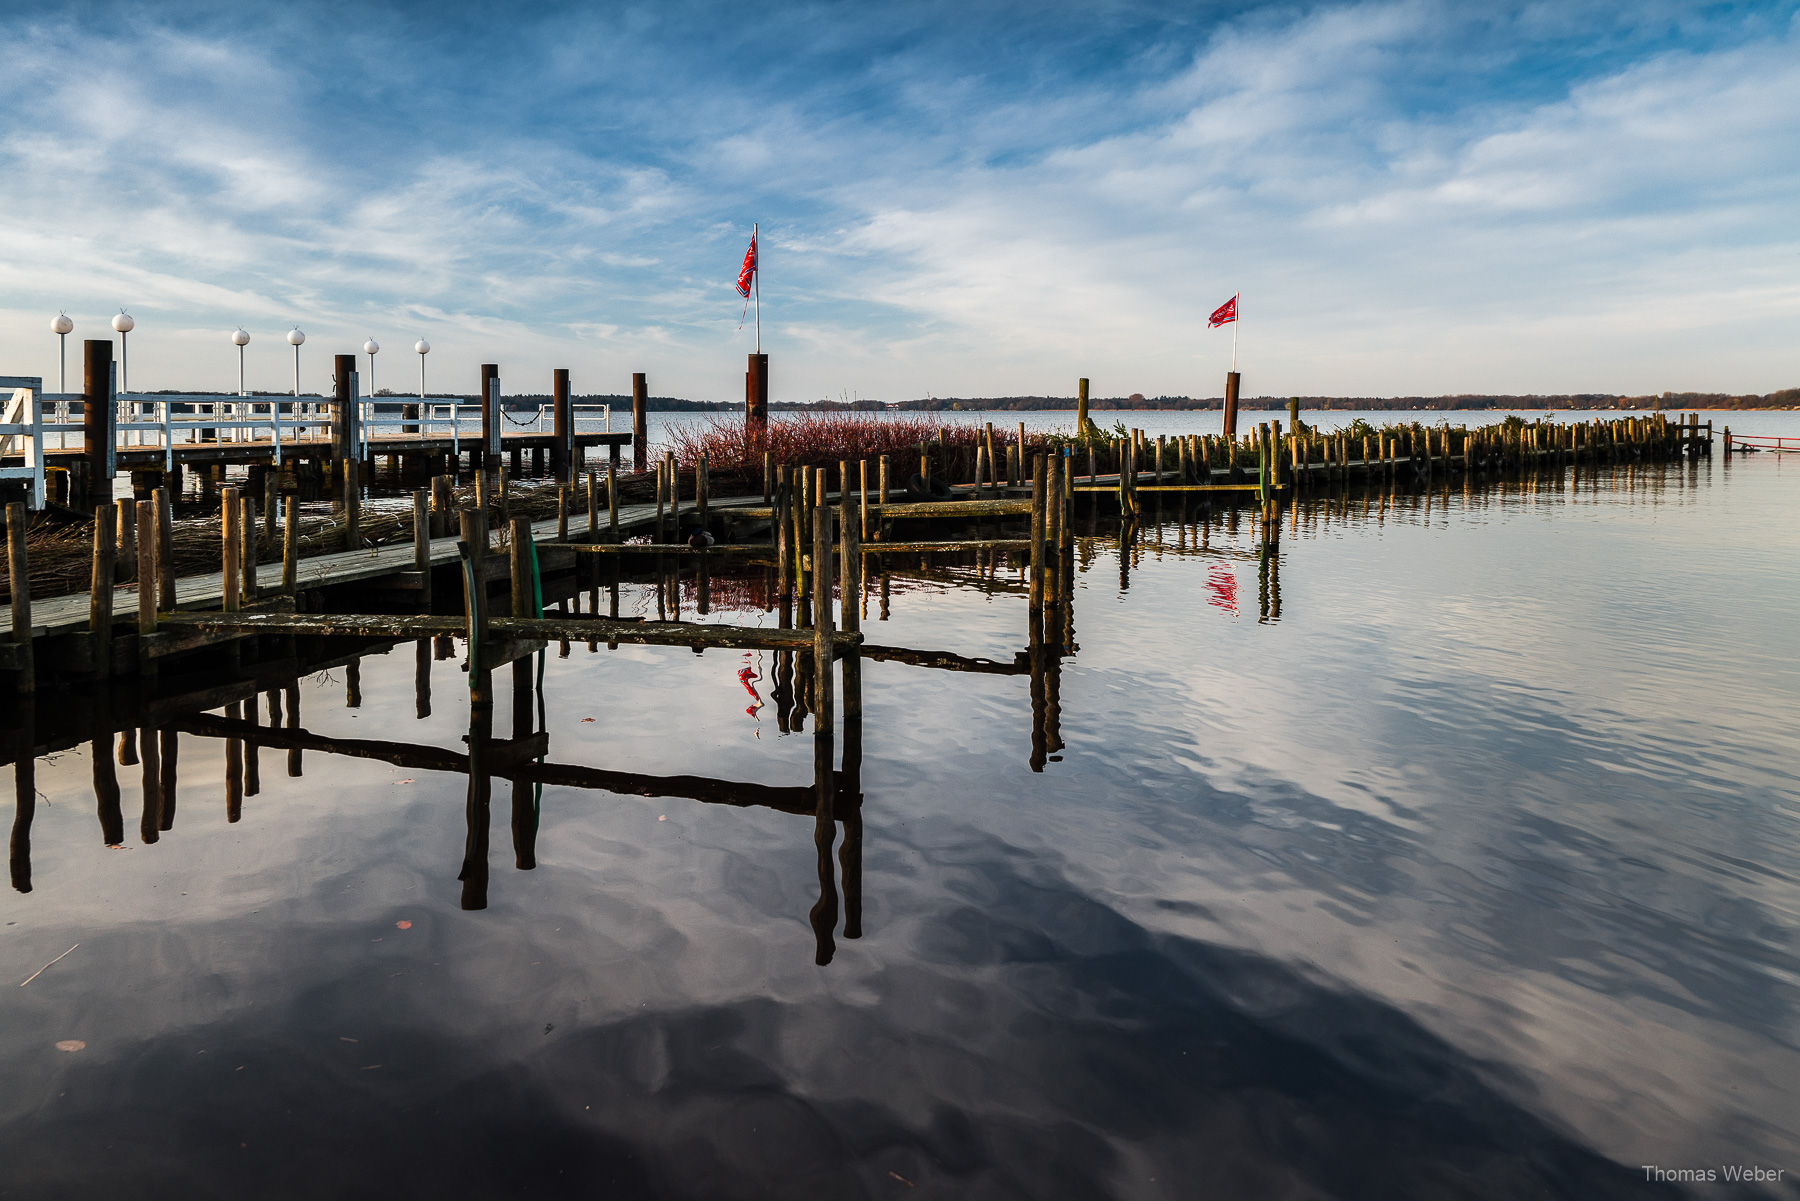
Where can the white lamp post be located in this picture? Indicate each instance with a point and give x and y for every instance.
(369, 348)
(123, 325)
(424, 348)
(60, 325)
(240, 339)
(295, 337)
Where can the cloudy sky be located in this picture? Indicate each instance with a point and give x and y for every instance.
(958, 199)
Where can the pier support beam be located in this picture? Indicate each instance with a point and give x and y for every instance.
(562, 415)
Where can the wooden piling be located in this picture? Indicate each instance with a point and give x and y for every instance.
(271, 499)
(125, 567)
(98, 422)
(422, 544)
(823, 642)
(100, 591)
(562, 513)
(18, 573)
(640, 441)
(247, 537)
(230, 550)
(1037, 532)
(290, 550)
(522, 590)
(862, 525)
(147, 573)
(165, 549)
(612, 500)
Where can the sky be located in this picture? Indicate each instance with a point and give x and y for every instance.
(955, 199)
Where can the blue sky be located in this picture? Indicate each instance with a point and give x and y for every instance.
(956, 199)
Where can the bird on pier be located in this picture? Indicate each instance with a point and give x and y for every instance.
(700, 539)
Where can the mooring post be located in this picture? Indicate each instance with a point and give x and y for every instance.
(100, 590)
(823, 638)
(247, 536)
(756, 392)
(562, 418)
(352, 503)
(593, 506)
(442, 502)
(473, 525)
(271, 499)
(1037, 532)
(780, 532)
(612, 500)
(489, 459)
(521, 567)
(422, 544)
(862, 526)
(147, 573)
(562, 512)
(229, 550)
(768, 477)
(290, 550)
(165, 550)
(18, 575)
(99, 417)
(884, 484)
(1231, 405)
(702, 489)
(640, 442)
(1081, 408)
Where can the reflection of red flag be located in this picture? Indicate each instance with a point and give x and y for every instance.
(747, 272)
(1222, 314)
(1222, 583)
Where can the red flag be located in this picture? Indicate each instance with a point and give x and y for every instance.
(747, 272)
(1222, 314)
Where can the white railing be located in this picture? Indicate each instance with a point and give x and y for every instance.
(35, 421)
(22, 433)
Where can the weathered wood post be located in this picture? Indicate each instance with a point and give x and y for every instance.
(98, 422)
(1037, 532)
(522, 590)
(823, 638)
(756, 391)
(562, 418)
(18, 575)
(147, 576)
(422, 545)
(230, 551)
(344, 442)
(290, 550)
(165, 550)
(562, 513)
(488, 460)
(1081, 408)
(702, 489)
(640, 442)
(593, 506)
(100, 590)
(125, 565)
(473, 525)
(612, 500)
(247, 536)
(781, 534)
(352, 472)
(850, 592)
(1231, 404)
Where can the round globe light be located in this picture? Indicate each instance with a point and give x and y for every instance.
(422, 346)
(295, 337)
(371, 346)
(240, 338)
(123, 322)
(60, 324)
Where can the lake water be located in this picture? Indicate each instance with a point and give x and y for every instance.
(1461, 858)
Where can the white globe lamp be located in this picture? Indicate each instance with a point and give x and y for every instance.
(295, 338)
(369, 348)
(423, 348)
(60, 325)
(240, 339)
(123, 325)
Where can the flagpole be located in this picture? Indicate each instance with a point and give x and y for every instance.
(756, 286)
(1237, 309)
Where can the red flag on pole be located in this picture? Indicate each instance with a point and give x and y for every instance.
(747, 272)
(1224, 313)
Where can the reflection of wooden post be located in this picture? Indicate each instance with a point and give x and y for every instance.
(353, 684)
(474, 873)
(234, 771)
(292, 699)
(1037, 532)
(18, 574)
(150, 757)
(24, 795)
(422, 679)
(252, 758)
(524, 807)
(170, 741)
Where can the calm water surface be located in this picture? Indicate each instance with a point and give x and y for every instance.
(1458, 859)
